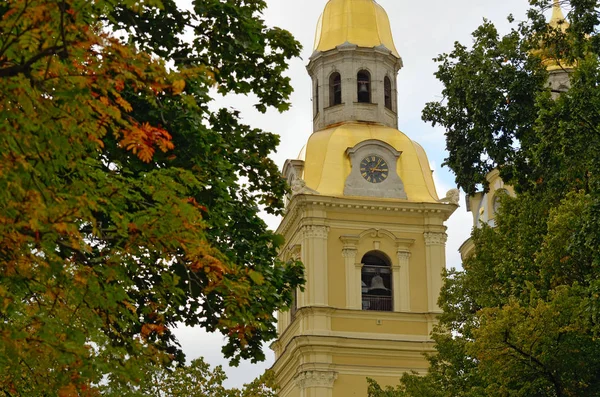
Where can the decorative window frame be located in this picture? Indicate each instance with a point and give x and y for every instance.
(400, 264)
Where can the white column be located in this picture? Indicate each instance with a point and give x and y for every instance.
(314, 257)
(436, 262)
(402, 282)
(316, 383)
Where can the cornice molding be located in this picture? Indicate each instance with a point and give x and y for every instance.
(348, 50)
(301, 202)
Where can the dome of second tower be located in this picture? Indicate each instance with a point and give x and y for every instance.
(361, 22)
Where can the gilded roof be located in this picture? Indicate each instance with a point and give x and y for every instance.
(557, 21)
(361, 22)
(327, 166)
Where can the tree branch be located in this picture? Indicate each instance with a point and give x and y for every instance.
(25, 67)
(553, 379)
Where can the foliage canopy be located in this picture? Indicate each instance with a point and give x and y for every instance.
(127, 205)
(522, 318)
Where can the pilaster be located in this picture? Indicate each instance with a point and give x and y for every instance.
(435, 243)
(314, 257)
(353, 285)
(402, 280)
(401, 275)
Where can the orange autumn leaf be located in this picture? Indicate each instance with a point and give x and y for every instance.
(68, 391)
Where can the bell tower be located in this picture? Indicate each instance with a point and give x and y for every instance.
(354, 80)
(364, 218)
(558, 70)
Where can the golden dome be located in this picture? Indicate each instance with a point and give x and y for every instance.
(326, 165)
(557, 21)
(361, 22)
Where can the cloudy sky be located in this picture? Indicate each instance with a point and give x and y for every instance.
(422, 30)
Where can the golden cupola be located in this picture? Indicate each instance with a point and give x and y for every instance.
(361, 22)
(547, 52)
(354, 66)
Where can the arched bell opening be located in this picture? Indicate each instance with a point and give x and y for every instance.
(316, 96)
(376, 281)
(363, 80)
(387, 90)
(335, 89)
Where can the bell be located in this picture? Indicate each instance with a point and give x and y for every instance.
(377, 283)
(362, 86)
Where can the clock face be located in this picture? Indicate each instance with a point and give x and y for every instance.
(374, 169)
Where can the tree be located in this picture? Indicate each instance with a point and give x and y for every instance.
(198, 379)
(522, 318)
(128, 206)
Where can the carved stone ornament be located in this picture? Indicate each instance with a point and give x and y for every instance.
(293, 169)
(315, 231)
(387, 184)
(308, 379)
(452, 197)
(349, 252)
(299, 187)
(294, 252)
(403, 256)
(435, 238)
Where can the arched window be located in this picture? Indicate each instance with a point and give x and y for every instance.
(317, 96)
(363, 80)
(335, 89)
(376, 277)
(387, 92)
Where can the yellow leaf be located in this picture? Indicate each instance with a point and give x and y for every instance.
(178, 87)
(256, 277)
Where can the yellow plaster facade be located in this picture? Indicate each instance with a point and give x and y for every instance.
(329, 346)
(484, 206)
(365, 219)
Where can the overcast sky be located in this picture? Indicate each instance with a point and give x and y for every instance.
(422, 30)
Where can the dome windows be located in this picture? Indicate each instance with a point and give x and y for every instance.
(387, 92)
(363, 80)
(316, 97)
(335, 89)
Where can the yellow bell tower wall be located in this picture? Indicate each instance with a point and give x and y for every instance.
(330, 344)
(365, 219)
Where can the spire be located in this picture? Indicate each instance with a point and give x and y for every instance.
(558, 19)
